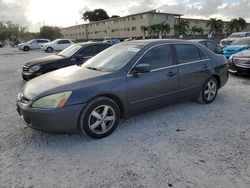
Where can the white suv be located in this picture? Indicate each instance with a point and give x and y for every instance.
(32, 44)
(57, 45)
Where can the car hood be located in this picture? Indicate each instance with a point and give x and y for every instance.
(43, 60)
(229, 39)
(235, 47)
(243, 54)
(66, 79)
(22, 44)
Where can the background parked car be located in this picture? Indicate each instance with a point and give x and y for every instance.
(210, 44)
(112, 41)
(1, 44)
(240, 62)
(33, 44)
(75, 54)
(119, 82)
(231, 38)
(57, 45)
(237, 46)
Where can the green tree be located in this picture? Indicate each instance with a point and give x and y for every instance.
(165, 28)
(49, 32)
(216, 26)
(181, 28)
(96, 15)
(144, 29)
(242, 23)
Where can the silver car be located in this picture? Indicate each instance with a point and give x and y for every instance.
(32, 44)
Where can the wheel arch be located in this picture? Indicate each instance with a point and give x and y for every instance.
(217, 77)
(116, 99)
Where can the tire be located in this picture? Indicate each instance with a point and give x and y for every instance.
(209, 91)
(49, 49)
(26, 48)
(100, 118)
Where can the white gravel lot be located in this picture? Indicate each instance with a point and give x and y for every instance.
(185, 145)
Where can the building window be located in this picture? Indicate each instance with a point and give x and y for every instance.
(142, 16)
(167, 17)
(128, 19)
(126, 29)
(82, 33)
(133, 28)
(133, 18)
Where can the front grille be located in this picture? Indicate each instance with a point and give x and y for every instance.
(25, 68)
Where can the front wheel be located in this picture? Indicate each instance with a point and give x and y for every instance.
(49, 49)
(209, 91)
(100, 118)
(26, 48)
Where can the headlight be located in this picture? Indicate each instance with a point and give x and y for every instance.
(34, 68)
(52, 101)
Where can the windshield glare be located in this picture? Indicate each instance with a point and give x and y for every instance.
(113, 58)
(71, 50)
(243, 41)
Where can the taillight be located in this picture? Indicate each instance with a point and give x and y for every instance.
(227, 64)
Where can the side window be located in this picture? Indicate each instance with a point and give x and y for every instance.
(63, 42)
(203, 43)
(248, 34)
(89, 51)
(211, 45)
(102, 47)
(187, 53)
(158, 57)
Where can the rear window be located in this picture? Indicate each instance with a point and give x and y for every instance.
(188, 53)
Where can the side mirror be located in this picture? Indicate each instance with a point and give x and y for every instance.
(79, 58)
(141, 68)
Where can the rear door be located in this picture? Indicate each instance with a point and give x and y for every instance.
(193, 67)
(156, 87)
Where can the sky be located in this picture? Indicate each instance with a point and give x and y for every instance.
(63, 13)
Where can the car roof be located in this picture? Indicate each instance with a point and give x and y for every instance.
(200, 40)
(146, 42)
(91, 43)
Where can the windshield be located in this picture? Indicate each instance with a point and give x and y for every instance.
(243, 41)
(237, 35)
(71, 50)
(30, 41)
(113, 58)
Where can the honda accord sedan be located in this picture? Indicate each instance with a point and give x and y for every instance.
(119, 82)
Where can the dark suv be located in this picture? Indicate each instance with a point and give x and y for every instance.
(74, 55)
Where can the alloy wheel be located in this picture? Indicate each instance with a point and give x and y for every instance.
(102, 119)
(210, 90)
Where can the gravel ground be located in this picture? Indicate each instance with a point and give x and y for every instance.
(185, 145)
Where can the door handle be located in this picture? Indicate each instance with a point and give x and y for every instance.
(171, 74)
(205, 66)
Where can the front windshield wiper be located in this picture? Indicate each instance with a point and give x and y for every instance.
(92, 68)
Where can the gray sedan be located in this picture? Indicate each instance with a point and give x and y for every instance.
(121, 81)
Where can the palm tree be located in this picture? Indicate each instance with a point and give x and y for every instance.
(242, 23)
(144, 30)
(165, 28)
(182, 27)
(196, 29)
(216, 26)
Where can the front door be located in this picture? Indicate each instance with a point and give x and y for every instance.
(157, 87)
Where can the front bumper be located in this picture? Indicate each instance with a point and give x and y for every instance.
(63, 120)
(28, 76)
(20, 47)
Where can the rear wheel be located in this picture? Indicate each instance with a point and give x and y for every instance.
(100, 118)
(26, 48)
(209, 91)
(49, 49)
